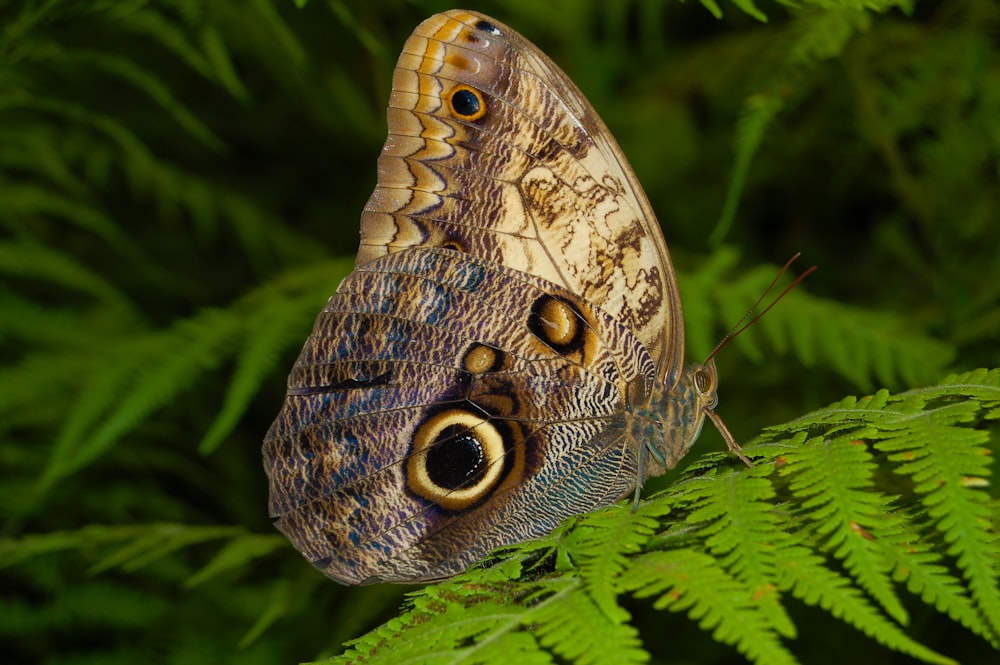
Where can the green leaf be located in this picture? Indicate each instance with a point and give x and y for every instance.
(697, 584)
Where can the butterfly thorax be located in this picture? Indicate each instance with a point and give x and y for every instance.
(668, 419)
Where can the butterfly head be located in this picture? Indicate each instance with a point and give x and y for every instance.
(669, 421)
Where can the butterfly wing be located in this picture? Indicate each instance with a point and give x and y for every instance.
(442, 407)
(493, 151)
(471, 383)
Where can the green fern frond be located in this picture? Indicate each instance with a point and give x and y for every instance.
(63, 153)
(921, 569)
(128, 380)
(575, 628)
(107, 602)
(857, 344)
(765, 548)
(240, 550)
(758, 113)
(211, 58)
(29, 260)
(188, 35)
(833, 489)
(860, 344)
(28, 386)
(926, 432)
(269, 334)
(136, 378)
(821, 34)
(103, 602)
(453, 628)
(274, 317)
(158, 541)
(25, 202)
(815, 35)
(136, 545)
(697, 584)
(808, 578)
(469, 623)
(701, 315)
(27, 321)
(741, 530)
(746, 6)
(150, 84)
(933, 445)
(601, 543)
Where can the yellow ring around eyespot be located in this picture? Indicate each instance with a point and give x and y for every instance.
(419, 480)
(470, 117)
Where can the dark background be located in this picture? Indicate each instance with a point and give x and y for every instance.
(180, 189)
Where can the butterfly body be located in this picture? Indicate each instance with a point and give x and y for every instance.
(507, 352)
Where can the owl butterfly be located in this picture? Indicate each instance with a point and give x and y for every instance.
(508, 351)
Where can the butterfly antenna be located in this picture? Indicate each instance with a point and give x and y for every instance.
(743, 324)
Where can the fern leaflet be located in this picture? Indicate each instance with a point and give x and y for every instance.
(698, 584)
(741, 530)
(929, 439)
(832, 483)
(600, 544)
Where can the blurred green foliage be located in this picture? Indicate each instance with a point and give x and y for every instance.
(180, 188)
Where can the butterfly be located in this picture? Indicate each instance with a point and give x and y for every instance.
(508, 351)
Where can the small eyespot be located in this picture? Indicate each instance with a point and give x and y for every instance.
(481, 358)
(466, 103)
(560, 324)
(486, 26)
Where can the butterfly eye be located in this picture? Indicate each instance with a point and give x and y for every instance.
(466, 103)
(705, 380)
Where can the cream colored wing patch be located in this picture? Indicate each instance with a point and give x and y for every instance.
(493, 151)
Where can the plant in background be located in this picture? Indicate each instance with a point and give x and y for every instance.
(174, 177)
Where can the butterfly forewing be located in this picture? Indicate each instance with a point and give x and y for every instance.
(533, 179)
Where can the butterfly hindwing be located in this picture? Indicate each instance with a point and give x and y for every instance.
(439, 399)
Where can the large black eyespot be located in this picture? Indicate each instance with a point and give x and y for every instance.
(466, 103)
(457, 459)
